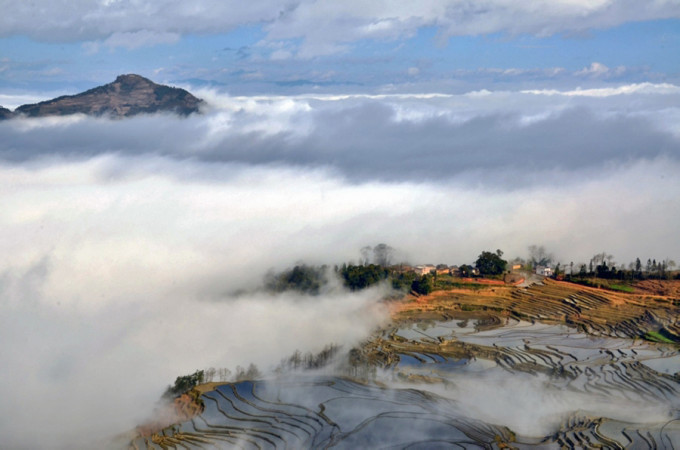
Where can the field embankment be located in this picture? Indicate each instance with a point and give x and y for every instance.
(596, 311)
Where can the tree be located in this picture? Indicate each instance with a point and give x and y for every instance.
(539, 256)
(601, 258)
(365, 255)
(302, 278)
(184, 384)
(422, 285)
(465, 270)
(382, 255)
(490, 263)
(360, 277)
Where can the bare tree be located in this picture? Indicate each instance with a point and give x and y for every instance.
(382, 255)
(600, 258)
(366, 255)
(539, 256)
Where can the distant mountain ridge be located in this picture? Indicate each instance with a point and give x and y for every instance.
(5, 113)
(127, 96)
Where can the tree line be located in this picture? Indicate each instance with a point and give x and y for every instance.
(376, 266)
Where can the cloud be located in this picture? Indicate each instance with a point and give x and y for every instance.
(123, 269)
(133, 40)
(129, 238)
(12, 101)
(626, 89)
(120, 281)
(498, 139)
(599, 70)
(323, 26)
(535, 406)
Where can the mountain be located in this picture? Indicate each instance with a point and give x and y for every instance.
(127, 96)
(5, 113)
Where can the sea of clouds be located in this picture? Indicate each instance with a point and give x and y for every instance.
(127, 244)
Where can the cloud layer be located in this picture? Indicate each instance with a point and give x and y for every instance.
(483, 169)
(123, 271)
(120, 281)
(496, 139)
(322, 26)
(127, 241)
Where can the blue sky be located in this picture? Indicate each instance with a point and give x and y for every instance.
(567, 43)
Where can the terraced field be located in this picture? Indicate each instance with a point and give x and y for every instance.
(595, 311)
(549, 366)
(324, 412)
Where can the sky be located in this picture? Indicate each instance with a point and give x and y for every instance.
(442, 128)
(279, 46)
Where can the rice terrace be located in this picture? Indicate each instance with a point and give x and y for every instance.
(584, 367)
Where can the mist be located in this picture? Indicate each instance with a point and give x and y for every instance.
(128, 244)
(535, 406)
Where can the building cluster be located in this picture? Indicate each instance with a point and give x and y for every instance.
(439, 269)
(443, 269)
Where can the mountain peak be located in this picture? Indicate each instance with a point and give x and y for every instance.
(132, 78)
(127, 95)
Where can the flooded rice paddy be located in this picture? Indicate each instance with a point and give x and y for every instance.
(456, 384)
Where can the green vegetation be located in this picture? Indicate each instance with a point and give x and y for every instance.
(184, 384)
(445, 282)
(361, 277)
(302, 278)
(490, 263)
(601, 283)
(422, 285)
(403, 281)
(602, 266)
(656, 336)
(311, 279)
(601, 272)
(621, 287)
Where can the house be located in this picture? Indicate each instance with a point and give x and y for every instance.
(425, 269)
(545, 271)
(402, 268)
(443, 269)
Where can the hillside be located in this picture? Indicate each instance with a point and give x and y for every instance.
(491, 348)
(5, 113)
(127, 96)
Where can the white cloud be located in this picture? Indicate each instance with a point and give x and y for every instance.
(132, 40)
(324, 26)
(626, 89)
(11, 101)
(121, 280)
(136, 39)
(599, 70)
(595, 69)
(280, 55)
(128, 238)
